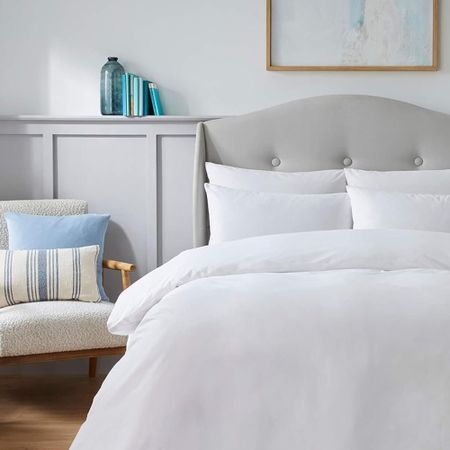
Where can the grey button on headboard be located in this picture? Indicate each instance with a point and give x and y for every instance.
(418, 161)
(347, 162)
(276, 162)
(329, 132)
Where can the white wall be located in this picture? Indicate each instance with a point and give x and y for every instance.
(208, 57)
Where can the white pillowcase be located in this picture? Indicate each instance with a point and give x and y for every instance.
(415, 181)
(317, 182)
(236, 214)
(380, 209)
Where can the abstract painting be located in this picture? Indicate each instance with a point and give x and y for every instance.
(352, 34)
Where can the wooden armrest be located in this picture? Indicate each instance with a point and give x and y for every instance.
(118, 265)
(125, 269)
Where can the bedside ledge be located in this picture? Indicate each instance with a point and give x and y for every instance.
(108, 119)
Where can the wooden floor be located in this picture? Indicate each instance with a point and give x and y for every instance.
(43, 412)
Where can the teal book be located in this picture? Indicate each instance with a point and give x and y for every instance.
(131, 95)
(136, 96)
(126, 110)
(148, 108)
(156, 101)
(124, 94)
(141, 96)
(145, 95)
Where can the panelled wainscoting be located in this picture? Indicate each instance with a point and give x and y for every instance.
(138, 170)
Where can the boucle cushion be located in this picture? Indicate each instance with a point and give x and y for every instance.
(55, 274)
(47, 327)
(39, 207)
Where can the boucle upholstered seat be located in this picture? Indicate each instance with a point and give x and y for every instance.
(61, 326)
(52, 330)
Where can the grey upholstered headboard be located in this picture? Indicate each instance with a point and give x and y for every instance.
(322, 133)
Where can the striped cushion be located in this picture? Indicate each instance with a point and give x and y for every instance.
(58, 274)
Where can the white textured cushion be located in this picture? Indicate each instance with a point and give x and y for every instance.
(316, 182)
(236, 214)
(414, 181)
(47, 327)
(379, 209)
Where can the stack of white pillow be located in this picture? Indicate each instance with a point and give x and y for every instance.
(414, 200)
(244, 202)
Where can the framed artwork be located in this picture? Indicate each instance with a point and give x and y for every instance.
(352, 34)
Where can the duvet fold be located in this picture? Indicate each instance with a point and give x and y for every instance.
(294, 252)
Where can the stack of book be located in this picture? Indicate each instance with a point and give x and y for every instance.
(140, 97)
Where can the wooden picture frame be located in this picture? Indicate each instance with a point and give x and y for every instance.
(273, 67)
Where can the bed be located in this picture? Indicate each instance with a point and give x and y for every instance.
(327, 340)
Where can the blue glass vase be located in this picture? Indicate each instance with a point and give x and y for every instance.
(111, 103)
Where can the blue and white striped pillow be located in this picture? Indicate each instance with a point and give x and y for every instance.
(57, 274)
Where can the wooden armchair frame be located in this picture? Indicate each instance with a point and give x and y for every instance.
(125, 270)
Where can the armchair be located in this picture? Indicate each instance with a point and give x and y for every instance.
(63, 330)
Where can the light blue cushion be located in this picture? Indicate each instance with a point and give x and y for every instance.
(31, 232)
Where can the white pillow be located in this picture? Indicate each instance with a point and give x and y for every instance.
(236, 214)
(380, 209)
(317, 182)
(416, 181)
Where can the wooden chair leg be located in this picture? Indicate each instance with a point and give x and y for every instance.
(126, 280)
(92, 367)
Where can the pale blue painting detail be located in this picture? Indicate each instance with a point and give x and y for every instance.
(357, 12)
(352, 32)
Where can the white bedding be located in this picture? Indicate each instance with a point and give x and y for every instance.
(412, 181)
(315, 182)
(373, 209)
(238, 214)
(332, 340)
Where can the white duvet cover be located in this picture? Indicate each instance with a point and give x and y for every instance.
(331, 340)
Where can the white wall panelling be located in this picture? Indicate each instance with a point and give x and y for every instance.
(138, 170)
(174, 176)
(21, 153)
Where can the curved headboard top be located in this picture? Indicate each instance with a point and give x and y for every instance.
(328, 132)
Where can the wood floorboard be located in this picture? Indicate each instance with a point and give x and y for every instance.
(43, 412)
